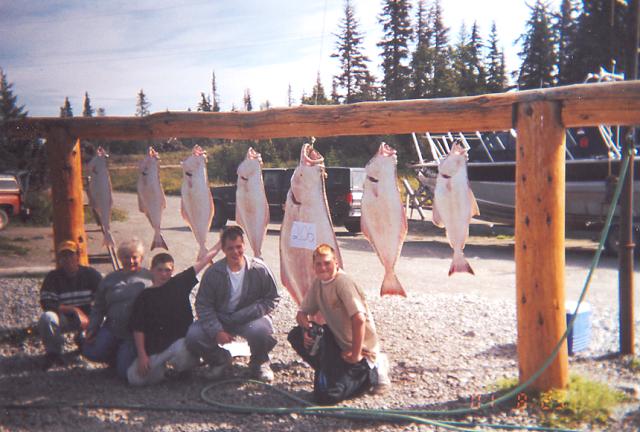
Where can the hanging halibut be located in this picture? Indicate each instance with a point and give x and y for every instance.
(383, 219)
(252, 208)
(454, 204)
(151, 199)
(306, 224)
(99, 193)
(197, 204)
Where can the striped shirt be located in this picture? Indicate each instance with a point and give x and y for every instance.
(77, 290)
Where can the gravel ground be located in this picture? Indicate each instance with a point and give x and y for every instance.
(446, 350)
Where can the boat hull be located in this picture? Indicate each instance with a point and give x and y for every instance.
(589, 186)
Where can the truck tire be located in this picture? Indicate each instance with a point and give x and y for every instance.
(353, 227)
(219, 217)
(4, 219)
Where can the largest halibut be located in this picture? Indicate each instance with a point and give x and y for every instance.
(306, 224)
(197, 204)
(252, 208)
(383, 219)
(454, 204)
(151, 199)
(99, 193)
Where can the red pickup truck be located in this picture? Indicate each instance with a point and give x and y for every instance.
(11, 199)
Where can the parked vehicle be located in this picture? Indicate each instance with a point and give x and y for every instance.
(12, 195)
(343, 187)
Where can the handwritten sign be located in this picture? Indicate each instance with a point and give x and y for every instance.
(303, 235)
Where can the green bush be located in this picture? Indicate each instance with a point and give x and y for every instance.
(39, 202)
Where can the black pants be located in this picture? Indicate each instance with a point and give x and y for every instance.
(334, 379)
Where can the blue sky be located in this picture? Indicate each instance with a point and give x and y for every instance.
(112, 48)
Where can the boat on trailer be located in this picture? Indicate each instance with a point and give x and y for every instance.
(593, 160)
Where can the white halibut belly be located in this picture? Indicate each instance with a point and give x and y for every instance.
(154, 202)
(199, 211)
(386, 227)
(296, 263)
(454, 209)
(252, 212)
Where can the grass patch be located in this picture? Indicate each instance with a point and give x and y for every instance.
(117, 215)
(633, 364)
(583, 402)
(126, 180)
(8, 247)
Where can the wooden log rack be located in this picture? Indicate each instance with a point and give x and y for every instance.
(539, 116)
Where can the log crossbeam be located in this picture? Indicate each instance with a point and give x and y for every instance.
(582, 105)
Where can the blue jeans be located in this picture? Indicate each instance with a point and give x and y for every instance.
(110, 349)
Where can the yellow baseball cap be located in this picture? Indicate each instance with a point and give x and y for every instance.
(67, 245)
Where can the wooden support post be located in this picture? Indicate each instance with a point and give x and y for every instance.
(65, 169)
(539, 242)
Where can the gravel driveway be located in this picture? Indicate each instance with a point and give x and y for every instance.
(448, 342)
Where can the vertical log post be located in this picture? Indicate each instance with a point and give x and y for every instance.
(539, 242)
(65, 169)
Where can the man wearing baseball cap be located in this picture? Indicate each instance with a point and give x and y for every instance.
(65, 297)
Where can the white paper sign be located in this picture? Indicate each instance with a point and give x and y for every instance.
(238, 348)
(303, 235)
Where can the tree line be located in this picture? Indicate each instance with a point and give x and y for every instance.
(418, 58)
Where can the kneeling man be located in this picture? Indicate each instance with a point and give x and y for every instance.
(345, 352)
(235, 298)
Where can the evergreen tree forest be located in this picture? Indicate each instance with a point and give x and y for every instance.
(419, 56)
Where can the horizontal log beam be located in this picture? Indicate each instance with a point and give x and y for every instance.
(582, 105)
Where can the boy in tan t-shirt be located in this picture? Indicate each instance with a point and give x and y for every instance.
(348, 359)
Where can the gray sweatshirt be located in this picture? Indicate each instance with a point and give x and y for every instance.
(114, 300)
(258, 298)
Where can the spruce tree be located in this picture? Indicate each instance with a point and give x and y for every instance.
(9, 109)
(397, 34)
(87, 109)
(204, 105)
(422, 57)
(443, 82)
(496, 73)
(318, 96)
(265, 105)
(11, 151)
(142, 105)
(248, 105)
(65, 109)
(471, 77)
(215, 104)
(475, 49)
(355, 79)
(463, 75)
(538, 50)
(290, 99)
(567, 31)
(600, 38)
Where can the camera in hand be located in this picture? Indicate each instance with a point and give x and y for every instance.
(315, 331)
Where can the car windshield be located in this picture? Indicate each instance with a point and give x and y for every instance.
(337, 177)
(9, 185)
(357, 179)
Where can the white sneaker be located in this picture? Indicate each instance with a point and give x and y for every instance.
(262, 372)
(383, 382)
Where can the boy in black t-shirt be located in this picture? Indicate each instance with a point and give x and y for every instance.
(161, 317)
